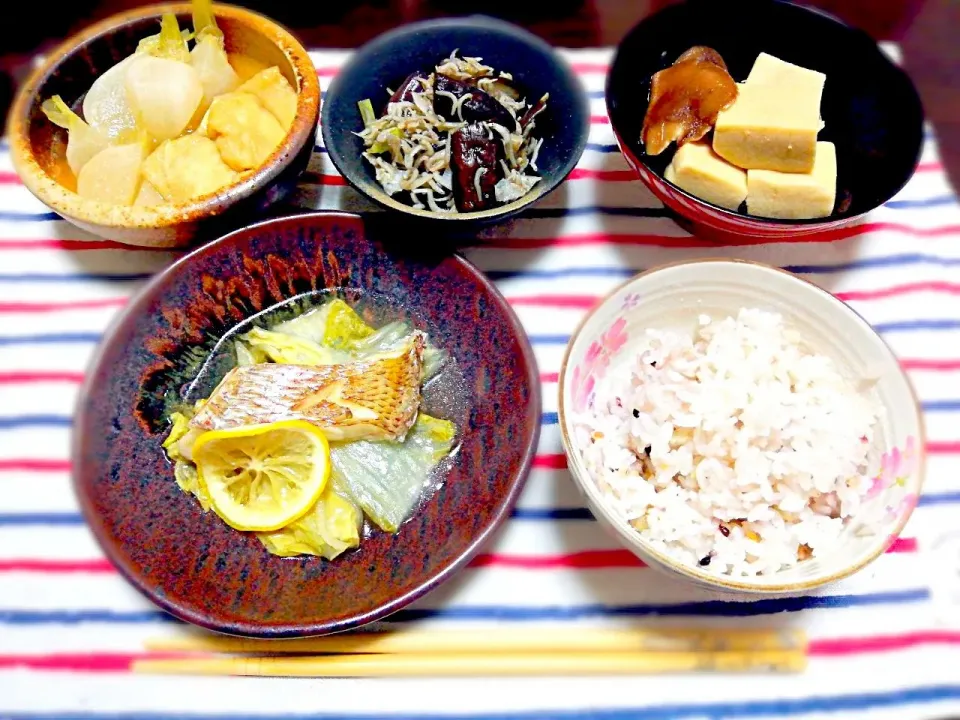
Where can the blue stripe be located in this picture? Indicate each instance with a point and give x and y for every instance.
(711, 608)
(41, 519)
(603, 147)
(73, 277)
(946, 498)
(941, 406)
(730, 710)
(52, 338)
(11, 216)
(916, 325)
(16, 422)
(921, 203)
(552, 514)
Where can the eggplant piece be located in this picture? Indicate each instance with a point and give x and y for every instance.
(533, 111)
(408, 87)
(472, 151)
(479, 107)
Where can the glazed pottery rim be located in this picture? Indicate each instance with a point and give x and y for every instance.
(139, 305)
(632, 539)
(70, 205)
(758, 220)
(373, 191)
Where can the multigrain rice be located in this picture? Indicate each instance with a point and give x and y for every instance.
(735, 448)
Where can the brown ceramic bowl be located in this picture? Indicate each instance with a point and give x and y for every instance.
(168, 346)
(38, 147)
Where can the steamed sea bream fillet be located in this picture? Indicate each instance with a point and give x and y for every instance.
(735, 449)
(373, 399)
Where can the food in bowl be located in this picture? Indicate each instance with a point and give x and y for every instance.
(735, 448)
(459, 138)
(172, 122)
(317, 427)
(764, 150)
(686, 98)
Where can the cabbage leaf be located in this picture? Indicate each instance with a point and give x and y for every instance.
(329, 529)
(386, 479)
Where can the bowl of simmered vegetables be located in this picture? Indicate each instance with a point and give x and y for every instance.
(167, 124)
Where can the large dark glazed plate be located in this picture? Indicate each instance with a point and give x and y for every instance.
(166, 346)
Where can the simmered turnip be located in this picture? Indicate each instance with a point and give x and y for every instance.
(112, 175)
(105, 105)
(210, 61)
(83, 141)
(163, 94)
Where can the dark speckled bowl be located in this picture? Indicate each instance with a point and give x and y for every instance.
(387, 60)
(162, 349)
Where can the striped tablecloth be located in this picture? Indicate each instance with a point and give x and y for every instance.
(885, 644)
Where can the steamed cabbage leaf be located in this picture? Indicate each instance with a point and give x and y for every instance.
(329, 529)
(386, 479)
(184, 471)
(281, 347)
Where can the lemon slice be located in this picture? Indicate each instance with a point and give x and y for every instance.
(263, 477)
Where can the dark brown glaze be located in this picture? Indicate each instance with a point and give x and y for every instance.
(479, 107)
(161, 351)
(686, 98)
(473, 150)
(412, 84)
(38, 148)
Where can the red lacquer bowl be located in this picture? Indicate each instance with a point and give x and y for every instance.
(871, 111)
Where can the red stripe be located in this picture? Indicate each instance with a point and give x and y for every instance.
(9, 178)
(95, 565)
(829, 647)
(43, 307)
(585, 67)
(33, 465)
(84, 662)
(943, 447)
(929, 167)
(550, 377)
(581, 302)
(881, 293)
(17, 377)
(586, 239)
(581, 68)
(585, 302)
(328, 179)
(553, 461)
(55, 244)
(932, 365)
(584, 560)
(599, 120)
(602, 175)
(119, 662)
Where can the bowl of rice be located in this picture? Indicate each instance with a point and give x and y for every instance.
(738, 426)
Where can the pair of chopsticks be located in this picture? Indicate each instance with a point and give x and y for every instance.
(519, 652)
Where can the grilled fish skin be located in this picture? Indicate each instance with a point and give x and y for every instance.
(373, 399)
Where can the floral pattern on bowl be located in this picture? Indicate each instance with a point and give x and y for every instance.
(596, 361)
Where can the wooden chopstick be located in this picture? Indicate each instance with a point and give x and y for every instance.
(490, 664)
(469, 642)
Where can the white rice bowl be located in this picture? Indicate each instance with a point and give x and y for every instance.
(743, 447)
